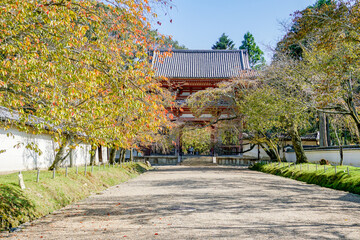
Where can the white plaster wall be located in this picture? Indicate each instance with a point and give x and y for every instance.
(187, 116)
(21, 158)
(351, 156)
(254, 153)
(80, 155)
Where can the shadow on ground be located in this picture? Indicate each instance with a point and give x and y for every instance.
(221, 202)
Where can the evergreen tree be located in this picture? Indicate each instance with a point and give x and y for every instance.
(256, 56)
(224, 42)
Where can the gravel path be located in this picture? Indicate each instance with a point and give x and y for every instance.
(205, 203)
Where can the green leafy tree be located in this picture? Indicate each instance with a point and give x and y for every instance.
(224, 43)
(331, 32)
(241, 107)
(196, 137)
(256, 56)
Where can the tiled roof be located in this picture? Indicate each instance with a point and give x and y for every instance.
(310, 137)
(5, 114)
(14, 116)
(220, 64)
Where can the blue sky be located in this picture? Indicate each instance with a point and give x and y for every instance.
(198, 24)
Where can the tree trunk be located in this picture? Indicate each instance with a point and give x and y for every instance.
(100, 154)
(59, 157)
(354, 114)
(92, 155)
(349, 99)
(275, 150)
(340, 146)
(131, 155)
(297, 144)
(71, 157)
(324, 130)
(271, 152)
(341, 156)
(123, 155)
(112, 155)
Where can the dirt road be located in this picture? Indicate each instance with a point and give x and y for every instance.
(205, 203)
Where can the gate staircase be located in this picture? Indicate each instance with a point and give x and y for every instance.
(197, 161)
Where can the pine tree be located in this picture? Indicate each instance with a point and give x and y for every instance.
(224, 42)
(256, 56)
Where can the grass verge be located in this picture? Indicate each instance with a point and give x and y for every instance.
(323, 175)
(18, 206)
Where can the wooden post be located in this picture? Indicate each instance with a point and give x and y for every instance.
(348, 172)
(66, 171)
(92, 168)
(85, 168)
(54, 173)
(21, 181)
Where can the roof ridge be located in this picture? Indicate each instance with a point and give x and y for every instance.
(202, 50)
(184, 63)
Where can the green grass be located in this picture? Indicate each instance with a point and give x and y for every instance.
(339, 180)
(38, 199)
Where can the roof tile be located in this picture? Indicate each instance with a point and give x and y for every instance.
(202, 63)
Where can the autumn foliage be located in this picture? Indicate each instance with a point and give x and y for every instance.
(83, 67)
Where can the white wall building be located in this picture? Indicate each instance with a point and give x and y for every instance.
(16, 156)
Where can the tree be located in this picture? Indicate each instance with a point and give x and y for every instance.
(224, 43)
(196, 137)
(296, 38)
(173, 44)
(167, 42)
(289, 78)
(256, 56)
(242, 108)
(82, 67)
(332, 54)
(277, 103)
